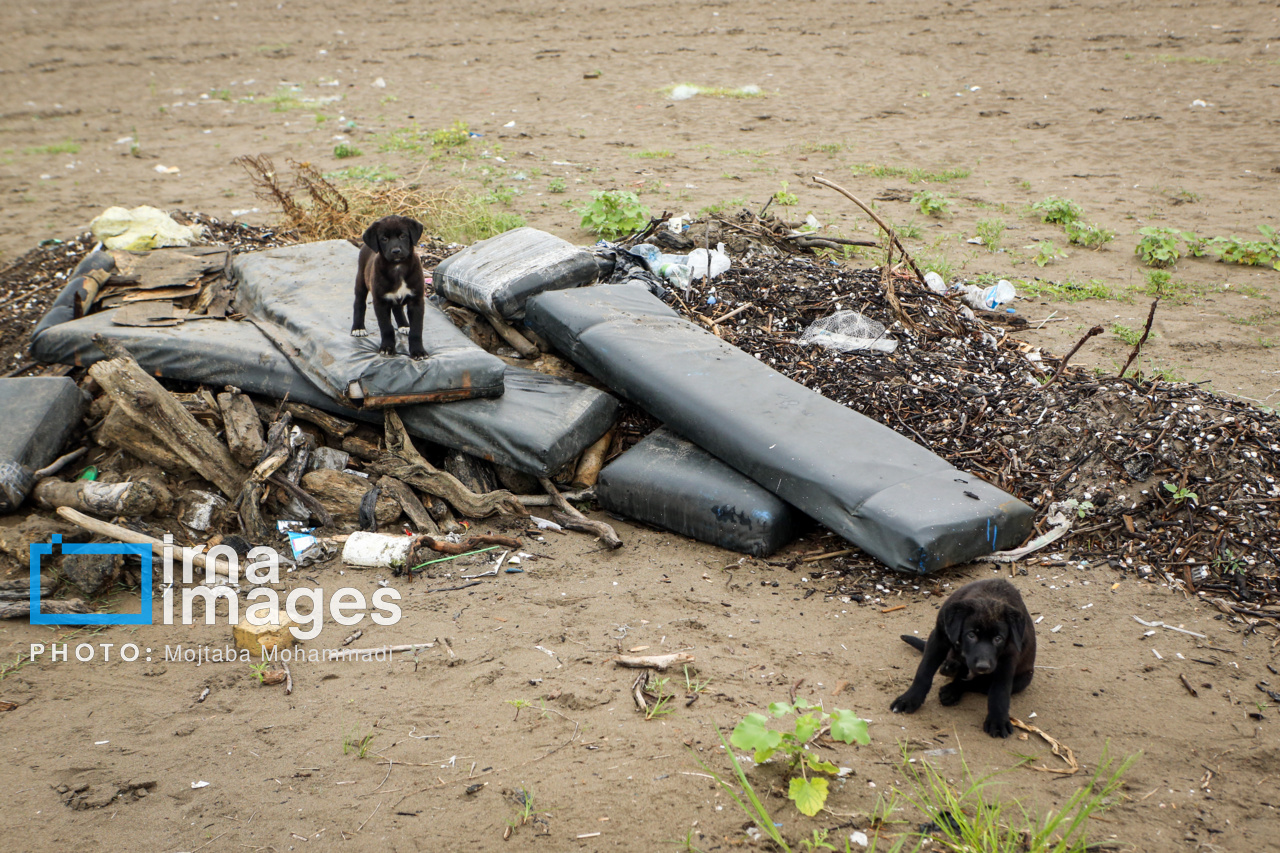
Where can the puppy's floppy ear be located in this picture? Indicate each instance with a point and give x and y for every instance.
(1017, 623)
(415, 229)
(953, 617)
(371, 236)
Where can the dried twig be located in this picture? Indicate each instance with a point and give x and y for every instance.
(1137, 348)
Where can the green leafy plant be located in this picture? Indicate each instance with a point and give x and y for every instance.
(1181, 494)
(518, 704)
(818, 841)
(1081, 508)
(1197, 246)
(344, 150)
(990, 232)
(808, 790)
(753, 808)
(1158, 247)
(1046, 253)
(555, 185)
(1068, 290)
(785, 198)
(908, 230)
(258, 671)
(614, 213)
(1088, 235)
(1059, 211)
(1255, 253)
(931, 203)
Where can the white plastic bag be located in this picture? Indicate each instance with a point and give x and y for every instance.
(698, 262)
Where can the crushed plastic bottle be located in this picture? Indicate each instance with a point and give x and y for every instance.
(935, 282)
(989, 298)
(673, 268)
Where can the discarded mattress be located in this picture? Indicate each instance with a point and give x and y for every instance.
(37, 414)
(539, 424)
(497, 276)
(892, 498)
(676, 485)
(300, 296)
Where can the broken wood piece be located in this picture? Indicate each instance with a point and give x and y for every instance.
(570, 517)
(127, 499)
(124, 534)
(18, 609)
(243, 427)
(334, 427)
(340, 494)
(121, 432)
(58, 464)
(1187, 684)
(146, 402)
(473, 472)
(402, 461)
(409, 503)
(472, 542)
(317, 509)
(519, 342)
(658, 662)
(592, 460)
(827, 556)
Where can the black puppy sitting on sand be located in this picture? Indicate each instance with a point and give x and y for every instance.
(984, 640)
(390, 271)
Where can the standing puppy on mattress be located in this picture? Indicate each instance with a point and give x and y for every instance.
(390, 271)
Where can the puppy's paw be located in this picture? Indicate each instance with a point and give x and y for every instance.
(997, 726)
(950, 694)
(403, 330)
(906, 703)
(359, 333)
(387, 350)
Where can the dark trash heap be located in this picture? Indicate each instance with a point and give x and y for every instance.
(1169, 481)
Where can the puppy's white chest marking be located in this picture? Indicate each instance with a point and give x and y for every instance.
(401, 293)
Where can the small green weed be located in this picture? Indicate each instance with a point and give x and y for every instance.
(343, 150)
(614, 213)
(931, 203)
(1047, 253)
(556, 185)
(519, 705)
(1181, 494)
(822, 147)
(808, 789)
(258, 671)
(357, 743)
(65, 147)
(909, 230)
(1068, 290)
(786, 198)
(362, 174)
(1158, 247)
(220, 94)
(1128, 334)
(453, 136)
(914, 174)
(1090, 236)
(974, 820)
(1058, 211)
(661, 154)
(991, 232)
(403, 140)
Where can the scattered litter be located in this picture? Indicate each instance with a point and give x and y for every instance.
(849, 331)
(200, 784)
(141, 229)
(1169, 627)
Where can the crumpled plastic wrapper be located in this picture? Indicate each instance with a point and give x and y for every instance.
(142, 229)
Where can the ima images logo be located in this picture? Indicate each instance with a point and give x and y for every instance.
(40, 549)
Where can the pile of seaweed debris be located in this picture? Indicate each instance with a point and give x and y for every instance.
(1165, 480)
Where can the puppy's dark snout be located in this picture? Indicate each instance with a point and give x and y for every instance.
(984, 666)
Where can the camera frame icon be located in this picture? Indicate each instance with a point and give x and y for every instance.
(42, 549)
